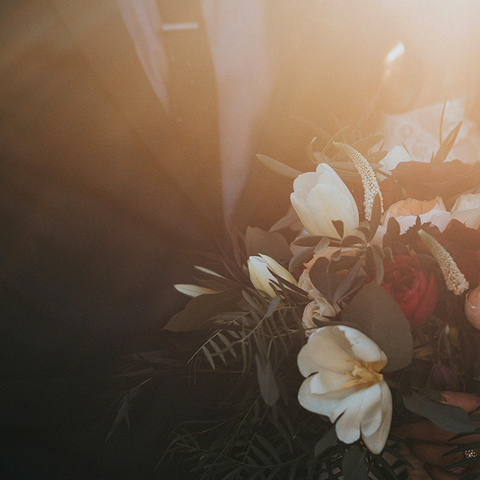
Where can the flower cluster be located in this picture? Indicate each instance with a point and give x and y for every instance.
(363, 302)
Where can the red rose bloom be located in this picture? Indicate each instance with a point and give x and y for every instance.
(414, 290)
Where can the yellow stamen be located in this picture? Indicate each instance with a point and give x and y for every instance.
(365, 374)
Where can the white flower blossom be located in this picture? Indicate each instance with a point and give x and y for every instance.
(343, 382)
(320, 197)
(259, 270)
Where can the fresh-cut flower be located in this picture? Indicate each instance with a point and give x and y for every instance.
(343, 381)
(260, 268)
(467, 210)
(320, 197)
(414, 289)
(406, 212)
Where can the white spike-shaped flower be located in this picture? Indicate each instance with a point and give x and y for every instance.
(454, 278)
(369, 180)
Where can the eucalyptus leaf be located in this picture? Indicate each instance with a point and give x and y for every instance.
(300, 258)
(342, 263)
(348, 280)
(201, 309)
(449, 417)
(338, 224)
(279, 167)
(320, 278)
(393, 228)
(354, 466)
(350, 240)
(378, 261)
(379, 317)
(309, 240)
(266, 380)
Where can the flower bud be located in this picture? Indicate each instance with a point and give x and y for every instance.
(320, 197)
(261, 276)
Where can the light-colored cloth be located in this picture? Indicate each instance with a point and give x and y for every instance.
(419, 131)
(243, 68)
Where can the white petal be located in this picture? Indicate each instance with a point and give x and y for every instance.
(327, 203)
(305, 182)
(326, 381)
(193, 290)
(363, 348)
(359, 406)
(327, 348)
(325, 171)
(321, 404)
(207, 270)
(377, 440)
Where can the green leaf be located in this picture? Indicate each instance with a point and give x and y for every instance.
(449, 417)
(200, 309)
(300, 258)
(338, 224)
(348, 280)
(266, 380)
(335, 138)
(350, 240)
(365, 144)
(320, 278)
(354, 466)
(273, 306)
(378, 262)
(446, 145)
(327, 441)
(342, 263)
(309, 240)
(393, 228)
(379, 317)
(279, 167)
(272, 244)
(209, 357)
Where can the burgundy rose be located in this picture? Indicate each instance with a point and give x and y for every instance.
(411, 286)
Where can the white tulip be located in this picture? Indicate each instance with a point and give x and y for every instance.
(262, 278)
(343, 382)
(467, 210)
(320, 197)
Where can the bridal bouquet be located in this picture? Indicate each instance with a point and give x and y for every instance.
(329, 343)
